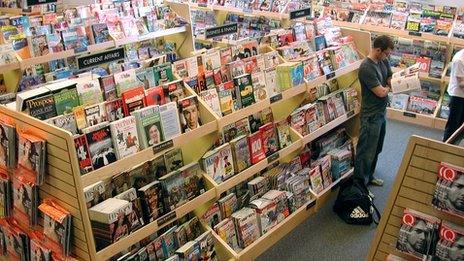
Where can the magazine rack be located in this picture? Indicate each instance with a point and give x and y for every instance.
(65, 184)
(432, 120)
(414, 188)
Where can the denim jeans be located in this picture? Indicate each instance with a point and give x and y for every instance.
(369, 146)
(456, 116)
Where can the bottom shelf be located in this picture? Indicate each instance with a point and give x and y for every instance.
(416, 118)
(279, 231)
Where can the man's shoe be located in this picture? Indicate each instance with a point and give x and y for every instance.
(376, 182)
(371, 194)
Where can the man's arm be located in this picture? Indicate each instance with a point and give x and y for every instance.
(381, 91)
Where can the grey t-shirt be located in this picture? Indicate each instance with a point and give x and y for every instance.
(372, 74)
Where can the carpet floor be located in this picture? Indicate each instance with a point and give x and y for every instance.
(324, 236)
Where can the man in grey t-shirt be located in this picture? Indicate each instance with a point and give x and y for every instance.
(374, 75)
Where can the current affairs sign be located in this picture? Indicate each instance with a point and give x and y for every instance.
(85, 62)
(221, 30)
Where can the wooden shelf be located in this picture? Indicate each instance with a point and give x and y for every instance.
(327, 127)
(439, 123)
(144, 155)
(153, 35)
(414, 188)
(14, 11)
(94, 48)
(267, 240)
(338, 73)
(154, 226)
(9, 67)
(411, 117)
(405, 34)
(255, 169)
(230, 9)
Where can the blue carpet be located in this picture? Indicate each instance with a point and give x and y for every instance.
(324, 236)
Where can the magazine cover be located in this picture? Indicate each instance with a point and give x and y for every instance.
(256, 147)
(155, 96)
(150, 199)
(211, 98)
(149, 126)
(101, 147)
(173, 189)
(450, 243)
(39, 251)
(211, 165)
(207, 249)
(189, 113)
(241, 153)
(89, 92)
(269, 138)
(448, 189)
(95, 114)
(135, 216)
(170, 120)
(125, 139)
(133, 99)
(173, 160)
(247, 226)
(174, 90)
(31, 155)
(226, 231)
(42, 107)
(7, 145)
(418, 234)
(57, 225)
(25, 200)
(114, 110)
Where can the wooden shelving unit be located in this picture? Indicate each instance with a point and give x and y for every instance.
(65, 184)
(414, 188)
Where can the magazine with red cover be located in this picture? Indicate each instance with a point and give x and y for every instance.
(133, 99)
(57, 225)
(448, 189)
(155, 96)
(255, 144)
(83, 154)
(450, 242)
(269, 138)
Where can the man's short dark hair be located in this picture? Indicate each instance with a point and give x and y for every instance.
(384, 42)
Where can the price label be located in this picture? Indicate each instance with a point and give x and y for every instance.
(409, 114)
(273, 157)
(276, 98)
(415, 33)
(330, 75)
(310, 205)
(166, 218)
(163, 146)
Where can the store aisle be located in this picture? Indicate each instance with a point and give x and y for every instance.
(325, 236)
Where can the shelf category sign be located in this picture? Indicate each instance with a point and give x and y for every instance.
(39, 2)
(300, 13)
(221, 30)
(100, 58)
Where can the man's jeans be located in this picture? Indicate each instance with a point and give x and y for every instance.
(456, 116)
(370, 144)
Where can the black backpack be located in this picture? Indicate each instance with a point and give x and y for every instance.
(354, 205)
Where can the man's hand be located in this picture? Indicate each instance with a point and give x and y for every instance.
(381, 91)
(460, 82)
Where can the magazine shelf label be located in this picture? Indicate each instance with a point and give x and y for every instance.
(221, 30)
(300, 13)
(415, 33)
(273, 158)
(311, 204)
(39, 2)
(171, 216)
(100, 58)
(276, 98)
(409, 114)
(163, 146)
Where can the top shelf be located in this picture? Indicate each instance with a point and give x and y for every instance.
(94, 48)
(230, 9)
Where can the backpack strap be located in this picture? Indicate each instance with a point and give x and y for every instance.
(376, 216)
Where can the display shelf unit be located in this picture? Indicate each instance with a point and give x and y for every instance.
(65, 183)
(431, 121)
(414, 188)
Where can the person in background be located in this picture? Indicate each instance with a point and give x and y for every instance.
(375, 78)
(456, 93)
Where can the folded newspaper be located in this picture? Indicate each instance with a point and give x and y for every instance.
(406, 80)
